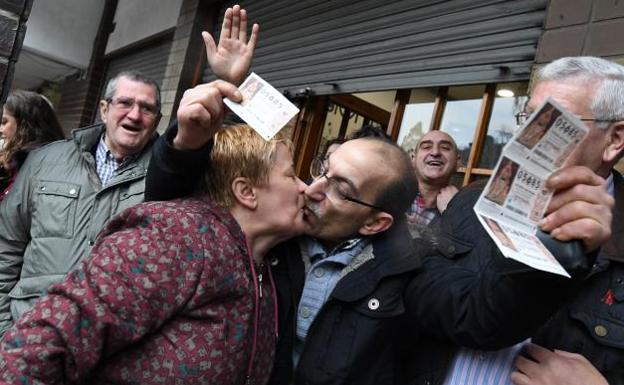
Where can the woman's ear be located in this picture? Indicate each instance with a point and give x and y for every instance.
(244, 193)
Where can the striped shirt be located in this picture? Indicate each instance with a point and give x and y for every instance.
(475, 367)
(322, 273)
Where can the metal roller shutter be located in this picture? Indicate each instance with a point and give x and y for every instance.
(344, 46)
(151, 59)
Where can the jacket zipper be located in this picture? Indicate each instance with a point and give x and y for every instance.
(257, 281)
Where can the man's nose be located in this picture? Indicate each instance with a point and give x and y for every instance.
(135, 112)
(316, 189)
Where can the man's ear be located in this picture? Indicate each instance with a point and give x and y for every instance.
(244, 193)
(458, 162)
(157, 119)
(616, 142)
(103, 110)
(377, 223)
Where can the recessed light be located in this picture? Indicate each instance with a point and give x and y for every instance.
(505, 93)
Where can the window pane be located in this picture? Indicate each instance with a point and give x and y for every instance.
(503, 121)
(335, 113)
(416, 117)
(460, 116)
(333, 120)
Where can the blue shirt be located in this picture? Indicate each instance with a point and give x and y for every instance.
(475, 367)
(323, 270)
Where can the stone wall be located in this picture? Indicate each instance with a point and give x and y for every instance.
(582, 27)
(13, 16)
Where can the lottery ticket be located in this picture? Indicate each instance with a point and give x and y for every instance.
(515, 197)
(263, 107)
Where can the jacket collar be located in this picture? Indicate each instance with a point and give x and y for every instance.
(614, 248)
(86, 138)
(226, 218)
(391, 253)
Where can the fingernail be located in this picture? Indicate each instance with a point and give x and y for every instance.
(543, 223)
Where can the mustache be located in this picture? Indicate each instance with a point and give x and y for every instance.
(313, 206)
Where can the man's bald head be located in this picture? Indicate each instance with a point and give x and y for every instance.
(397, 189)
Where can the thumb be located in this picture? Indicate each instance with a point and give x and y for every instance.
(563, 353)
(211, 46)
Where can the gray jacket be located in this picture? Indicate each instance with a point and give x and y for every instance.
(51, 218)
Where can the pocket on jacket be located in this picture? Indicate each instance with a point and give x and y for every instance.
(54, 211)
(604, 330)
(129, 195)
(452, 247)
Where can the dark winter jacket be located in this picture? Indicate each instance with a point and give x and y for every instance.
(398, 317)
(592, 323)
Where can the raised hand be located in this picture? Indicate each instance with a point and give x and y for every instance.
(580, 208)
(201, 112)
(231, 59)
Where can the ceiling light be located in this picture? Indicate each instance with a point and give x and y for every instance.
(505, 93)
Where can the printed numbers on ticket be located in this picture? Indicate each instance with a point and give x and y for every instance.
(263, 107)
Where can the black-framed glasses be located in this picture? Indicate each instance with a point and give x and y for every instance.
(523, 116)
(127, 104)
(319, 168)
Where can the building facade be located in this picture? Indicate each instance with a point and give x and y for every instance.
(462, 66)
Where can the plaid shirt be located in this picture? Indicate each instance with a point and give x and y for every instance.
(423, 214)
(105, 162)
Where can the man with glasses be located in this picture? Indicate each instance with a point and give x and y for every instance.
(587, 332)
(69, 189)
(582, 343)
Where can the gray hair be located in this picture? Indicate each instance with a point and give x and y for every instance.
(135, 76)
(608, 102)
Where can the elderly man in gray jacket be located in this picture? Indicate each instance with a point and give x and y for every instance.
(67, 190)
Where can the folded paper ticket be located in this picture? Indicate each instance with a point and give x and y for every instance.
(515, 199)
(263, 107)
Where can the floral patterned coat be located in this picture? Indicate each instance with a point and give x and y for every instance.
(170, 295)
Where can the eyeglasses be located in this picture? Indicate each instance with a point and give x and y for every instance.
(523, 116)
(127, 104)
(319, 169)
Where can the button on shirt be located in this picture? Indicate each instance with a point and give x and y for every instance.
(323, 271)
(105, 162)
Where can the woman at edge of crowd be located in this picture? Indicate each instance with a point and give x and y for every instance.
(28, 122)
